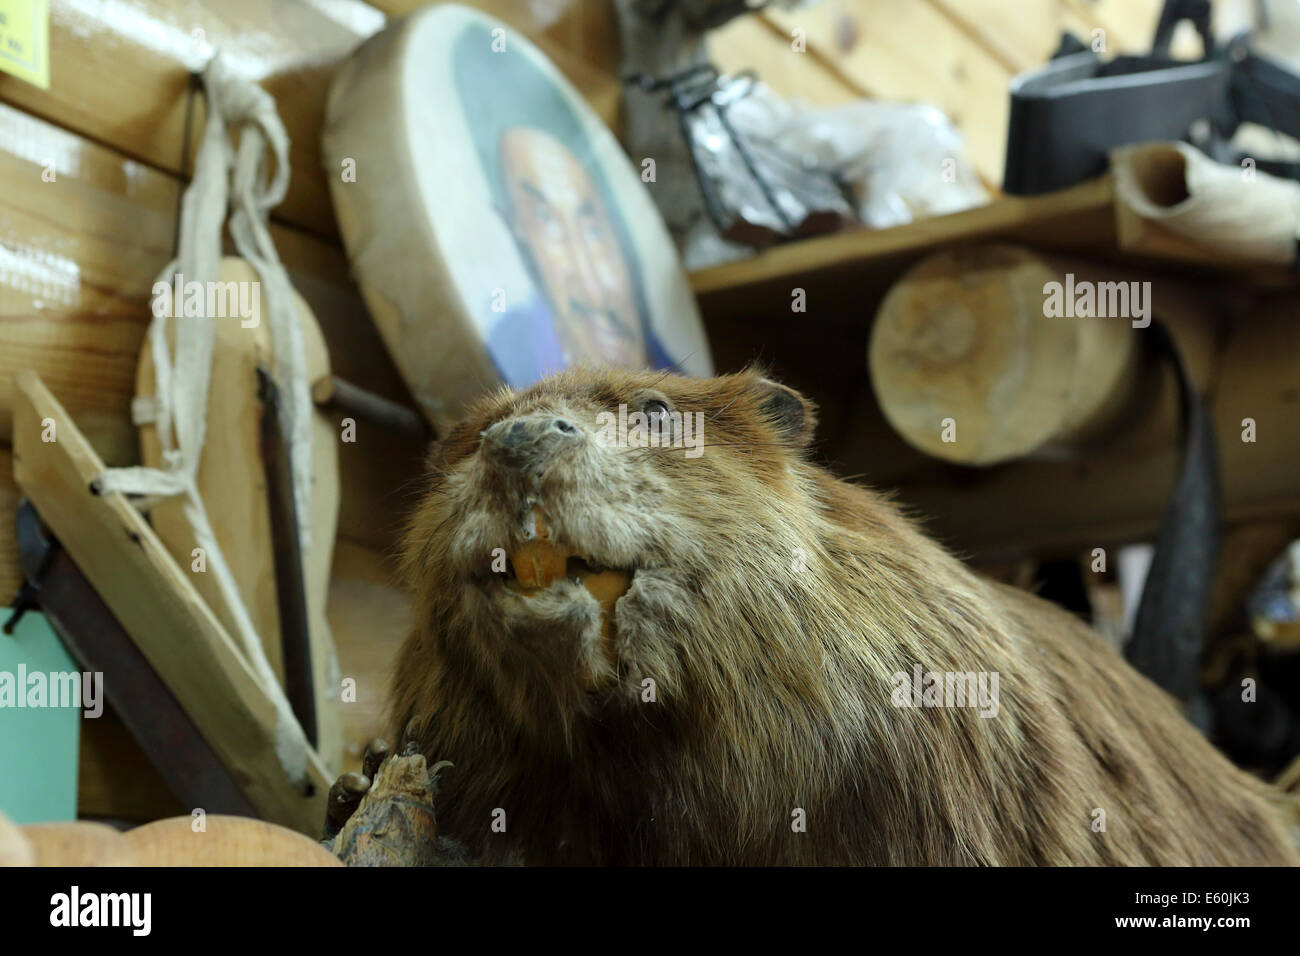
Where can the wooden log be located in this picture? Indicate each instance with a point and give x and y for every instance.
(160, 608)
(1117, 494)
(968, 367)
(223, 841)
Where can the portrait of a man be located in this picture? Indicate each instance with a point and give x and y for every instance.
(587, 305)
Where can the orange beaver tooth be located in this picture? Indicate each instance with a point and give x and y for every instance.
(607, 587)
(539, 562)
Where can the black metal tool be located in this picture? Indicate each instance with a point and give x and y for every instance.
(290, 579)
(1067, 116)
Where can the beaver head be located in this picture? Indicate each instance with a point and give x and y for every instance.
(562, 552)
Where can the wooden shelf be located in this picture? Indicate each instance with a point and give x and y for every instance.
(845, 266)
(1017, 217)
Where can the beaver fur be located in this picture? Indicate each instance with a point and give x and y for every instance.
(748, 712)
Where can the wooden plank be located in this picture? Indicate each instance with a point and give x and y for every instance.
(749, 43)
(585, 30)
(844, 269)
(120, 75)
(157, 604)
(909, 51)
(369, 616)
(1077, 218)
(78, 257)
(1021, 35)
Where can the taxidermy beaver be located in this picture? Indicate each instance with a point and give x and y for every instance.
(711, 651)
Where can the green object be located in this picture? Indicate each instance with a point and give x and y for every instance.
(38, 741)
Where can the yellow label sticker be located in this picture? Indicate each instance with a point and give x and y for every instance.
(25, 40)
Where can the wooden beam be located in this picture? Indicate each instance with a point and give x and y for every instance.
(1074, 219)
(157, 604)
(1022, 35)
(120, 75)
(908, 51)
(749, 42)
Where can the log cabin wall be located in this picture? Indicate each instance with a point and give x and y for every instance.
(92, 168)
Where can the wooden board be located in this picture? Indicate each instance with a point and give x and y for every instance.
(847, 267)
(747, 42)
(369, 617)
(1021, 35)
(910, 51)
(158, 605)
(119, 74)
(1075, 219)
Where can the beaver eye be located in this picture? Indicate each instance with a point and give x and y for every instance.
(655, 407)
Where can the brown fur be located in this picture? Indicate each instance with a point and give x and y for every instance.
(773, 683)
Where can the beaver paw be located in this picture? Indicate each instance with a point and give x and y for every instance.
(383, 816)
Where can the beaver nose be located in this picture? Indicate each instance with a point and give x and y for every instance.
(530, 440)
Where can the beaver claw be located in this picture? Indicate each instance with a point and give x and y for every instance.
(384, 815)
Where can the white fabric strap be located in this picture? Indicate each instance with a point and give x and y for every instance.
(182, 348)
(252, 198)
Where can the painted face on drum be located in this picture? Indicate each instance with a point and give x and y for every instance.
(561, 224)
